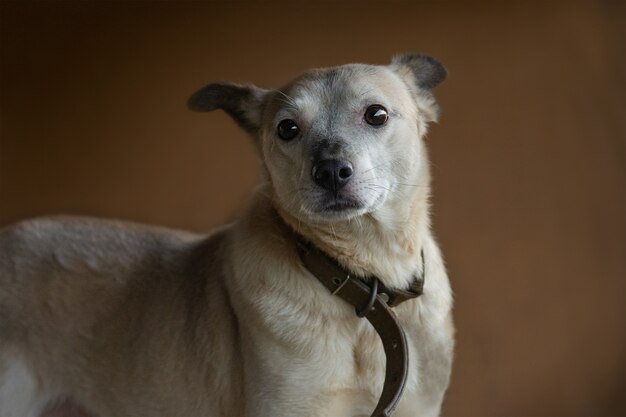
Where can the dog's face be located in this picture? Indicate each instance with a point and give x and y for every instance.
(338, 142)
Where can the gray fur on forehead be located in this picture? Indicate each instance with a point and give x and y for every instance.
(330, 78)
(330, 86)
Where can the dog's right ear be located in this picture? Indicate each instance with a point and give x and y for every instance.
(243, 103)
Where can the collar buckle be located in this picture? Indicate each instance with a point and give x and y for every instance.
(362, 312)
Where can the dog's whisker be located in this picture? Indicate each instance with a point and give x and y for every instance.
(287, 99)
(375, 167)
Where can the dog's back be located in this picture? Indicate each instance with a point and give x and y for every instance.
(117, 275)
(50, 265)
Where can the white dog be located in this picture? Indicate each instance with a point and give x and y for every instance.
(128, 320)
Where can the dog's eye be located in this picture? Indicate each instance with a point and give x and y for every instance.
(287, 129)
(376, 115)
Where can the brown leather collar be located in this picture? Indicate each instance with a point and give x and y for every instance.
(373, 301)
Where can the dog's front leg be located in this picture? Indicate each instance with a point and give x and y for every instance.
(282, 400)
(280, 385)
(285, 382)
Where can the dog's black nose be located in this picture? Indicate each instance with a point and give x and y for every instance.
(332, 174)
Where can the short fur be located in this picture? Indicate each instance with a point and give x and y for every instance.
(130, 320)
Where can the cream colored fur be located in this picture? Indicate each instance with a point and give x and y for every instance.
(130, 320)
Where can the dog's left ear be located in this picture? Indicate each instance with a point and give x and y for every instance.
(423, 70)
(421, 73)
(243, 103)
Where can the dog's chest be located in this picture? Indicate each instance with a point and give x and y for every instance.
(306, 342)
(301, 328)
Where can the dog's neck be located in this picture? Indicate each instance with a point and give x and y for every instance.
(386, 243)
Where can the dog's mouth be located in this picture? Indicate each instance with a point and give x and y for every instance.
(339, 204)
(347, 203)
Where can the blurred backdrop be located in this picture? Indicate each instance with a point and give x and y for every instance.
(529, 158)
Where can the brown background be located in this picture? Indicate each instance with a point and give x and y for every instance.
(529, 158)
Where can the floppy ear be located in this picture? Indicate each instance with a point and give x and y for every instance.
(243, 103)
(426, 72)
(421, 73)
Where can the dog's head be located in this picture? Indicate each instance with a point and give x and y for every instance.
(338, 142)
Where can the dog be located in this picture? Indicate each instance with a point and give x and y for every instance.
(121, 319)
